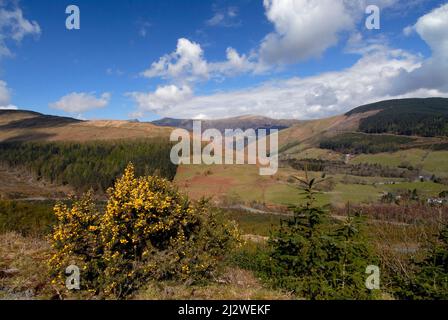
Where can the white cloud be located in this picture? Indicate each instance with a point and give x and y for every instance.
(13, 26)
(433, 73)
(9, 107)
(302, 98)
(303, 29)
(163, 98)
(234, 65)
(5, 95)
(407, 31)
(77, 103)
(185, 64)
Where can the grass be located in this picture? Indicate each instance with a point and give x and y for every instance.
(255, 223)
(234, 284)
(425, 188)
(412, 157)
(436, 162)
(433, 162)
(354, 193)
(286, 195)
(26, 217)
(28, 257)
(243, 184)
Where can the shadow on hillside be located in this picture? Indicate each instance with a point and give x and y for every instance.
(31, 136)
(39, 122)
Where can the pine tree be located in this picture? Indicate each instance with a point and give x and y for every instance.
(316, 261)
(353, 254)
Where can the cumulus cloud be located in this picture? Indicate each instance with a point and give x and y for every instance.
(14, 26)
(77, 103)
(433, 73)
(303, 29)
(185, 64)
(163, 98)
(301, 98)
(234, 64)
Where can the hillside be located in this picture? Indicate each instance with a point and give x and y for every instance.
(18, 125)
(426, 118)
(309, 133)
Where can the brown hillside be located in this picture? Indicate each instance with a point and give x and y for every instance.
(310, 131)
(32, 126)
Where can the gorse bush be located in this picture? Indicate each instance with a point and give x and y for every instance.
(76, 241)
(316, 260)
(149, 231)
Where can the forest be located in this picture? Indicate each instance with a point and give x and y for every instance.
(419, 117)
(89, 165)
(362, 143)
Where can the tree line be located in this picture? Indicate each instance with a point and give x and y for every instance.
(363, 143)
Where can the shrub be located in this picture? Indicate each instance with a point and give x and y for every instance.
(149, 231)
(429, 279)
(76, 241)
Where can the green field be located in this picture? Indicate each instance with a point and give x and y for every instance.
(255, 223)
(432, 162)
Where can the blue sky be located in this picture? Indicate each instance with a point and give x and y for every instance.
(208, 59)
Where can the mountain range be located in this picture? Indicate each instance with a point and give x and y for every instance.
(420, 117)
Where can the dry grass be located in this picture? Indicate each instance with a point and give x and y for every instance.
(23, 264)
(234, 284)
(35, 127)
(18, 184)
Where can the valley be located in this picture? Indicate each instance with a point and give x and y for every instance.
(398, 182)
